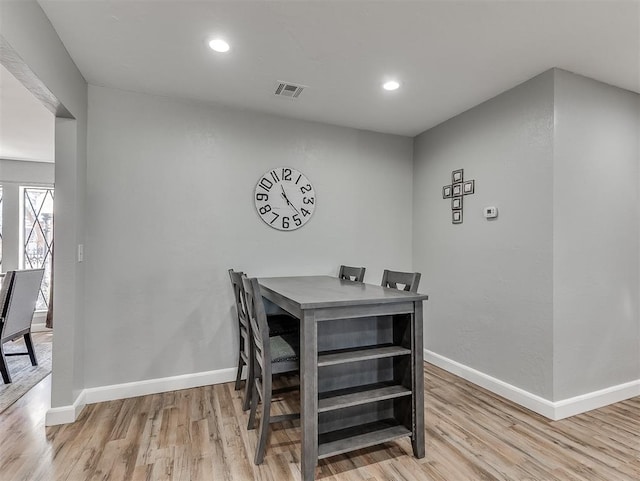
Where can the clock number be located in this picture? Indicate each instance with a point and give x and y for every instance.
(275, 216)
(308, 200)
(297, 220)
(274, 176)
(305, 212)
(266, 184)
(264, 209)
(285, 222)
(261, 196)
(306, 188)
(298, 179)
(286, 174)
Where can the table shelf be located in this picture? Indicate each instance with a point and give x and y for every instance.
(358, 437)
(357, 395)
(329, 358)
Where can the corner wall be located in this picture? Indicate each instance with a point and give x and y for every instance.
(541, 304)
(490, 283)
(596, 245)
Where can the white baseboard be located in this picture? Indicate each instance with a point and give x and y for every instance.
(40, 327)
(65, 414)
(68, 414)
(38, 323)
(597, 399)
(512, 393)
(154, 386)
(553, 410)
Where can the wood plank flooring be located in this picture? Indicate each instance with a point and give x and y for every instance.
(25, 376)
(200, 434)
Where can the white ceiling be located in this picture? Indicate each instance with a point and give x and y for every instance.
(448, 55)
(26, 126)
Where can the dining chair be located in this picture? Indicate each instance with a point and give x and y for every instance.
(352, 273)
(273, 355)
(18, 298)
(393, 278)
(278, 324)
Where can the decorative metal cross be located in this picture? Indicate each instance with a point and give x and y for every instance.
(455, 191)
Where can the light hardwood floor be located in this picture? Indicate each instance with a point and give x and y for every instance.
(200, 434)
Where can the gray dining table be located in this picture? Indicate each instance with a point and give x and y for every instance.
(361, 364)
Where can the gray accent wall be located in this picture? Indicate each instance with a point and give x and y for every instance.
(490, 283)
(545, 297)
(596, 250)
(171, 187)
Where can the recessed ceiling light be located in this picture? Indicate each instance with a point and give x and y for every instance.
(219, 45)
(391, 85)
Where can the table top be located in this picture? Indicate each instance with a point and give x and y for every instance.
(314, 292)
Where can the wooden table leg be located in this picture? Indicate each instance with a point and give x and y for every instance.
(417, 440)
(309, 395)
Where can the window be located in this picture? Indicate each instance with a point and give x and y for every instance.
(37, 221)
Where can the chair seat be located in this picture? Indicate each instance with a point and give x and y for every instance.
(284, 348)
(282, 324)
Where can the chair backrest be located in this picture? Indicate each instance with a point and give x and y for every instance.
(258, 321)
(7, 282)
(393, 278)
(352, 273)
(241, 309)
(21, 302)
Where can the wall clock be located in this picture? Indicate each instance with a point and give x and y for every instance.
(285, 198)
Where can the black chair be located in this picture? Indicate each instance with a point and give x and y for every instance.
(352, 273)
(278, 324)
(410, 280)
(18, 298)
(273, 355)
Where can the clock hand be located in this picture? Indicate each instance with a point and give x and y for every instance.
(288, 202)
(284, 195)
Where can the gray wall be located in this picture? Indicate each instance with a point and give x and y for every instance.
(490, 282)
(170, 209)
(596, 250)
(25, 27)
(545, 297)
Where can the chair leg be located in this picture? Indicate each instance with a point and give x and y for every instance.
(6, 377)
(32, 352)
(239, 374)
(254, 406)
(265, 420)
(248, 387)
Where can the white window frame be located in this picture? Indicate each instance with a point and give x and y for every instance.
(22, 186)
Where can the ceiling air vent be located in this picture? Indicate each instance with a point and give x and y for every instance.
(287, 89)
